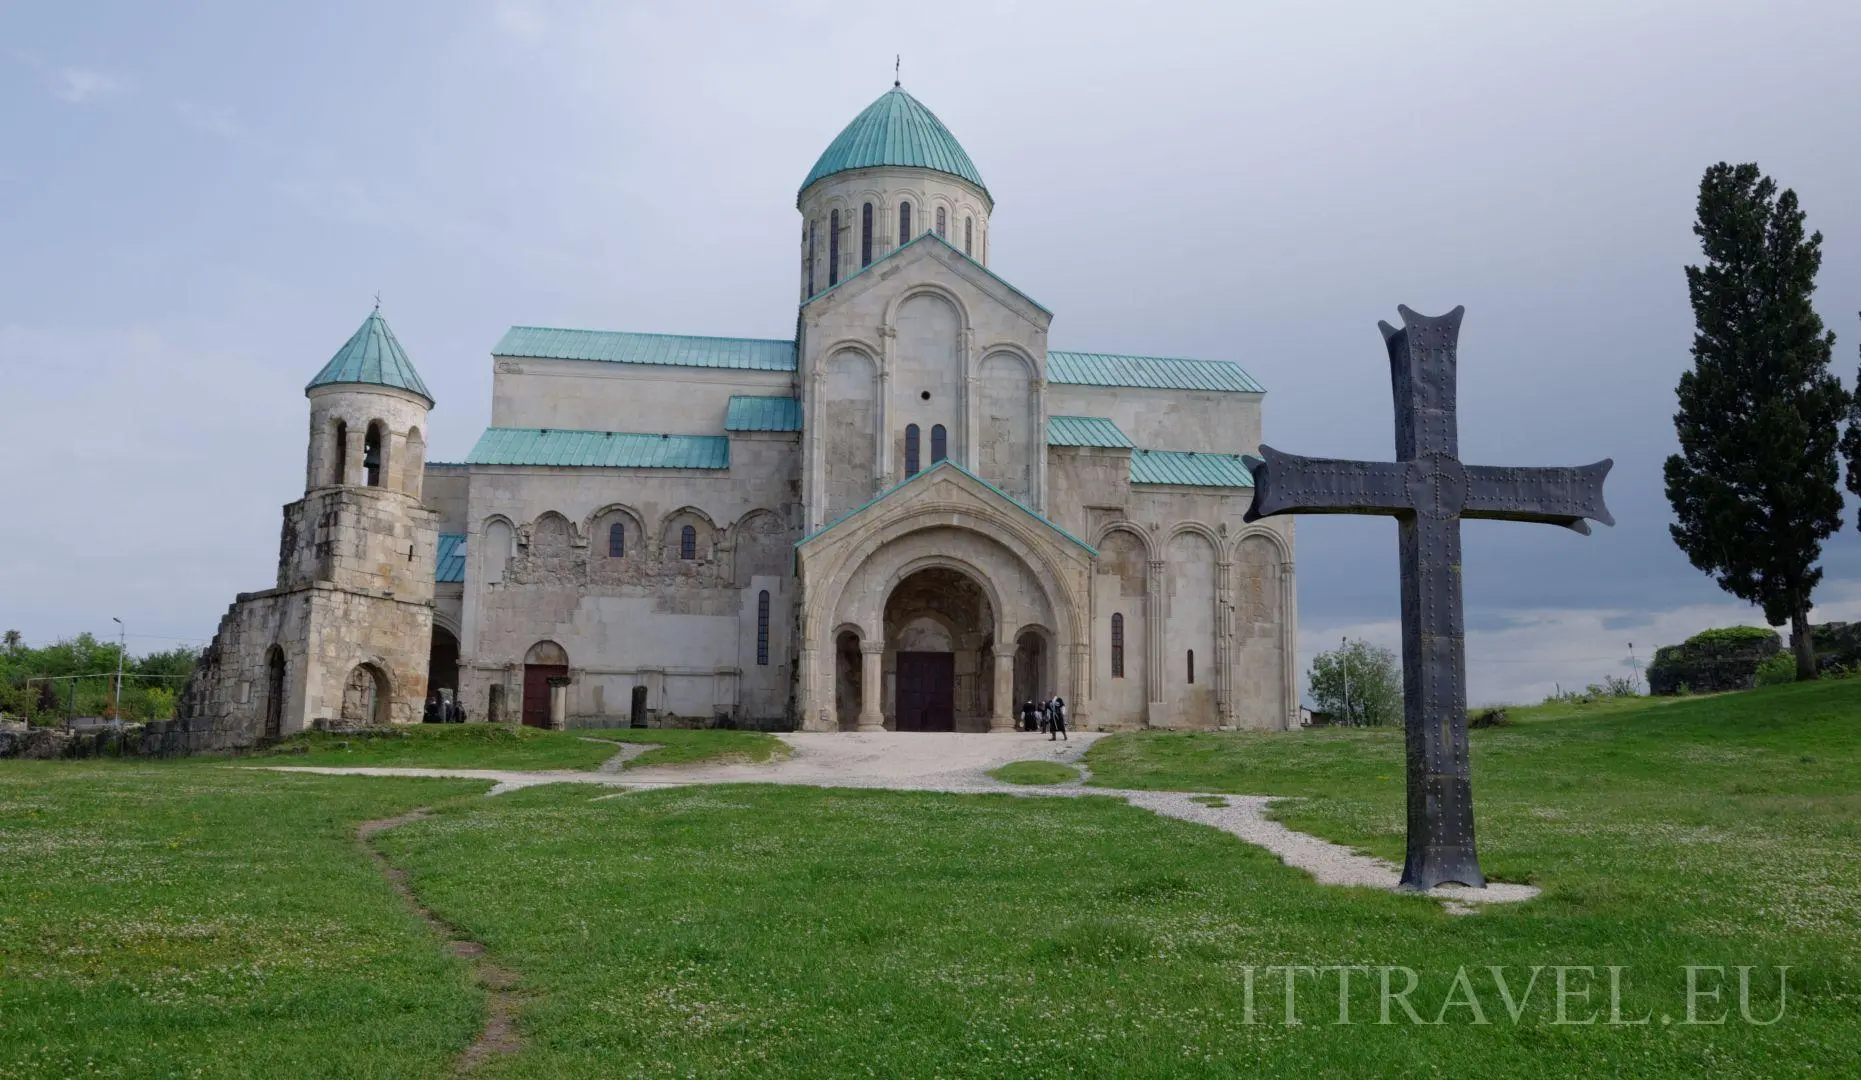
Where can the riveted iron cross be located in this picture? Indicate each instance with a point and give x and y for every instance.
(1427, 490)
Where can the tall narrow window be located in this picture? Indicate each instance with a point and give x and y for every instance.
(342, 453)
(904, 223)
(762, 628)
(942, 223)
(1191, 667)
(865, 235)
(688, 543)
(940, 444)
(810, 258)
(911, 450)
(969, 235)
(617, 541)
(1117, 645)
(371, 456)
(833, 249)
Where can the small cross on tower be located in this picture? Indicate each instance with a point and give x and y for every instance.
(1427, 490)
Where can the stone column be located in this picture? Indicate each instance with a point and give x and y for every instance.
(558, 704)
(871, 685)
(352, 472)
(888, 361)
(1003, 718)
(1156, 603)
(1224, 643)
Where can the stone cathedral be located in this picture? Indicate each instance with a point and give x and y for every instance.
(911, 515)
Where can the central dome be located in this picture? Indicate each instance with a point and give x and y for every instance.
(895, 130)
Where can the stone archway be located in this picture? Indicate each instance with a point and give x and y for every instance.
(939, 641)
(366, 696)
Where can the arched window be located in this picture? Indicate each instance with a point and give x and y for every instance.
(941, 230)
(904, 223)
(810, 258)
(940, 444)
(911, 450)
(1191, 667)
(865, 235)
(371, 456)
(1117, 645)
(617, 540)
(342, 453)
(833, 249)
(688, 543)
(762, 628)
(969, 234)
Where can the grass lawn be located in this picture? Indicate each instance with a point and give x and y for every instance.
(1035, 772)
(506, 746)
(170, 917)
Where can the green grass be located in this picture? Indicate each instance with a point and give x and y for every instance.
(163, 920)
(506, 746)
(757, 930)
(1035, 772)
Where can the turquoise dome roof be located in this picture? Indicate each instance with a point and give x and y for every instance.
(895, 130)
(372, 356)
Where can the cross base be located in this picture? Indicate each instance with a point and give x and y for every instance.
(1442, 864)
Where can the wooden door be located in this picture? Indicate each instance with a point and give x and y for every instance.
(926, 691)
(536, 691)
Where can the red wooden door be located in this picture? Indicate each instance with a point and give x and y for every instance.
(536, 691)
(926, 691)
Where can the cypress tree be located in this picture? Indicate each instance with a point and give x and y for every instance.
(1755, 487)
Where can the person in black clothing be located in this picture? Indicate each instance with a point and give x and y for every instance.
(431, 715)
(1026, 722)
(1057, 714)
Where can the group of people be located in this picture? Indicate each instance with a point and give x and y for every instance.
(1047, 717)
(443, 708)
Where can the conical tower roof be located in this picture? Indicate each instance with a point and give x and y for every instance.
(895, 130)
(372, 356)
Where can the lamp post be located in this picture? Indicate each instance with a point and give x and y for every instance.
(122, 637)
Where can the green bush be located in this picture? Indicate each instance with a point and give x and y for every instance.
(1776, 670)
(1731, 635)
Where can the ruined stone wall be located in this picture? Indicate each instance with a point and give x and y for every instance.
(364, 539)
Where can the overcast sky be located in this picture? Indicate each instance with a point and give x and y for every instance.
(198, 202)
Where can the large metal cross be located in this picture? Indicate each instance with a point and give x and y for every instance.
(1427, 490)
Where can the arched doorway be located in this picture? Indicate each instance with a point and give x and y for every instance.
(939, 635)
(274, 694)
(442, 667)
(546, 660)
(1032, 683)
(365, 696)
(846, 680)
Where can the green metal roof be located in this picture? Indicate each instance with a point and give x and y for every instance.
(1085, 431)
(1188, 468)
(676, 350)
(946, 463)
(895, 130)
(372, 356)
(750, 413)
(599, 449)
(450, 566)
(1148, 372)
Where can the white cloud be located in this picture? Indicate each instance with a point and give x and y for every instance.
(81, 85)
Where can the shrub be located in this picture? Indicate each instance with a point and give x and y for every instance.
(1731, 635)
(1776, 670)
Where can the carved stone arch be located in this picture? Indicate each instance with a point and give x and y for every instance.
(857, 346)
(1201, 530)
(853, 628)
(636, 541)
(760, 546)
(706, 535)
(495, 547)
(1130, 527)
(1280, 546)
(975, 574)
(1008, 348)
(552, 533)
(964, 323)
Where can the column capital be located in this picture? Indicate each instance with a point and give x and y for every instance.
(888, 331)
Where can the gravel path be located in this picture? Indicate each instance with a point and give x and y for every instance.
(959, 764)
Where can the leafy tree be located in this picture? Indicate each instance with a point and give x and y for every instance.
(11, 641)
(1755, 485)
(1358, 682)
